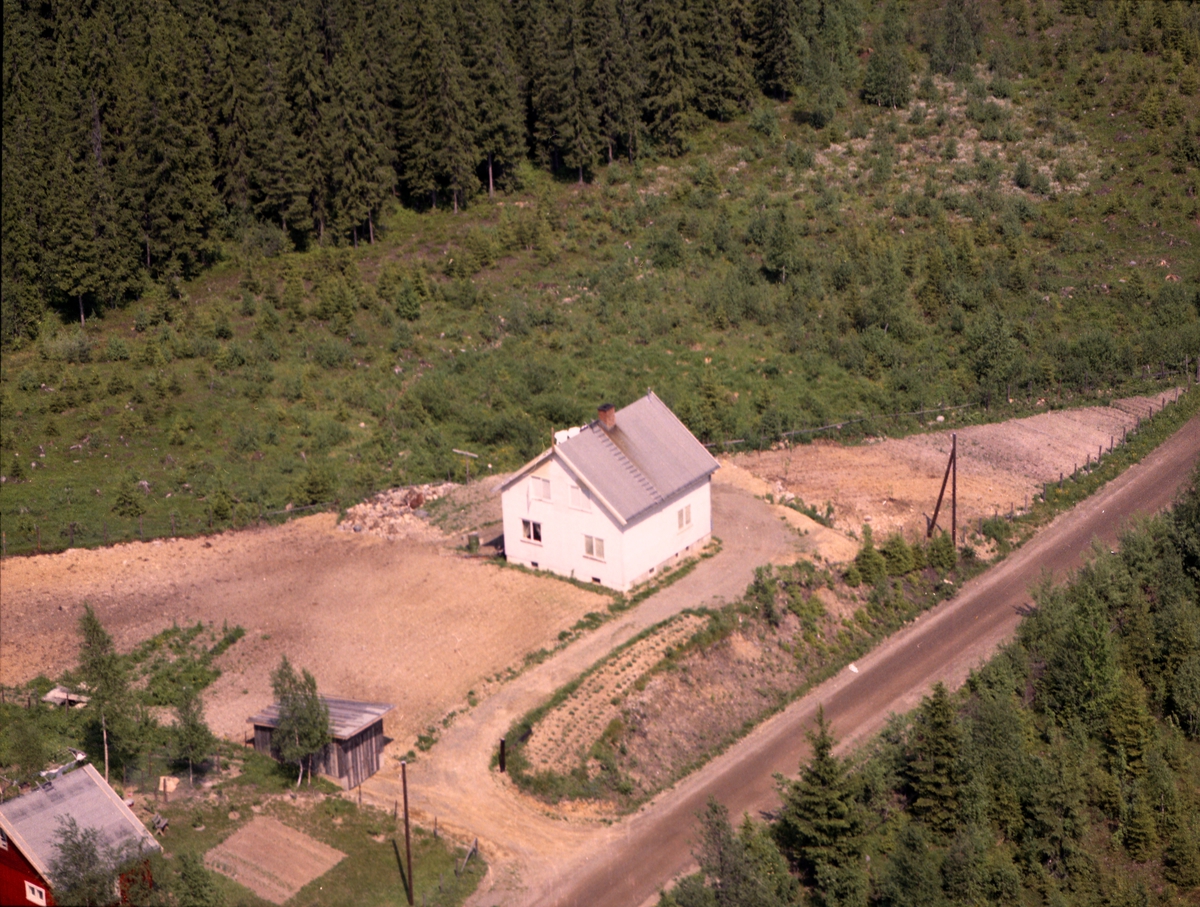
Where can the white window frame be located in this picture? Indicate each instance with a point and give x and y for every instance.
(539, 488)
(579, 499)
(35, 894)
(531, 532)
(683, 517)
(593, 548)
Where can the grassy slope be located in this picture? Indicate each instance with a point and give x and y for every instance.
(555, 296)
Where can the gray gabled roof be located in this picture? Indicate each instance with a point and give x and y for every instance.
(31, 820)
(649, 457)
(346, 716)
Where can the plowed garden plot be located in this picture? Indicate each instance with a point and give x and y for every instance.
(571, 727)
(271, 859)
(892, 484)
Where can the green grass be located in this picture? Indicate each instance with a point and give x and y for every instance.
(940, 284)
(369, 874)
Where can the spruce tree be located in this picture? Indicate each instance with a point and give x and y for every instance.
(724, 74)
(306, 90)
(181, 204)
(670, 86)
(820, 825)
(615, 36)
(888, 78)
(494, 79)
(569, 97)
(933, 762)
(276, 177)
(781, 42)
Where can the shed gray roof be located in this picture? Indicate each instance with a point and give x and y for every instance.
(31, 820)
(346, 716)
(646, 459)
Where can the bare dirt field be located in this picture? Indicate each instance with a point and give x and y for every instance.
(407, 622)
(271, 859)
(893, 483)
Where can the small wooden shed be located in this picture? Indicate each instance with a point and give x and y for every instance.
(358, 740)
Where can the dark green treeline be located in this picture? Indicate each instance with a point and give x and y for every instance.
(138, 135)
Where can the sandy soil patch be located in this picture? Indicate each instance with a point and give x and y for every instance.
(578, 721)
(893, 483)
(817, 540)
(271, 859)
(406, 622)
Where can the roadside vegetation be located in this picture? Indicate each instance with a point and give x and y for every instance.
(676, 703)
(1009, 232)
(1064, 771)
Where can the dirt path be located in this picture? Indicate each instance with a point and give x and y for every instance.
(893, 483)
(454, 783)
(402, 621)
(627, 863)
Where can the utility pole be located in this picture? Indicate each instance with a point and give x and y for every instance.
(408, 876)
(954, 487)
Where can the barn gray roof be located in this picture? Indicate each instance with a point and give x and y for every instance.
(31, 820)
(649, 457)
(346, 716)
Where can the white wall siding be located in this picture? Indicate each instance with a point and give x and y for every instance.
(630, 556)
(563, 529)
(656, 539)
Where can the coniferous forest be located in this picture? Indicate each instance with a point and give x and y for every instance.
(1066, 771)
(259, 255)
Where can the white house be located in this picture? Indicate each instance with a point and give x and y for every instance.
(614, 501)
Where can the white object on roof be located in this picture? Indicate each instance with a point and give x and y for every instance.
(60, 695)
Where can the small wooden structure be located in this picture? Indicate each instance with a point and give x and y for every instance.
(358, 740)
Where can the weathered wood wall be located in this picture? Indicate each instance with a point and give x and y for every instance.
(358, 757)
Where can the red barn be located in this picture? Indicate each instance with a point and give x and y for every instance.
(29, 829)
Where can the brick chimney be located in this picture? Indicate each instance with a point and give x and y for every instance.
(607, 414)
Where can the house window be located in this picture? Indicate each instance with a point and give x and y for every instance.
(3, 841)
(579, 499)
(593, 547)
(684, 516)
(541, 489)
(531, 531)
(35, 894)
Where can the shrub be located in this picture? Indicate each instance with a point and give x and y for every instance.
(127, 504)
(765, 121)
(222, 329)
(870, 562)
(331, 354)
(402, 338)
(68, 346)
(1023, 174)
(897, 555)
(798, 157)
(942, 556)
